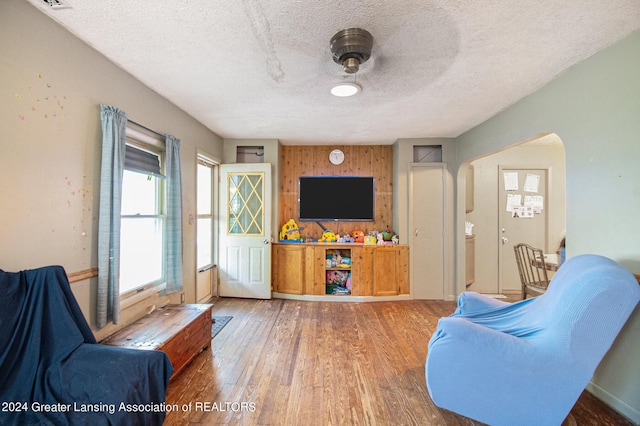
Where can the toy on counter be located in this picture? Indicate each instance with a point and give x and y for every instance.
(345, 239)
(369, 240)
(387, 235)
(358, 236)
(290, 231)
(328, 237)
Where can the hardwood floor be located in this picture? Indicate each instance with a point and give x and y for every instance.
(284, 362)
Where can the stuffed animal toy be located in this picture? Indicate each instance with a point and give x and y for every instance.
(358, 236)
(387, 235)
(328, 237)
(337, 278)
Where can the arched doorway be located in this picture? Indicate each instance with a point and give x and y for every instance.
(493, 264)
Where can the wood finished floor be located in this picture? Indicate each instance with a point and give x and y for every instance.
(284, 362)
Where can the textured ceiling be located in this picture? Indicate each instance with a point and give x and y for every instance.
(263, 68)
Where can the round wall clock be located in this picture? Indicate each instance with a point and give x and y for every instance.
(336, 157)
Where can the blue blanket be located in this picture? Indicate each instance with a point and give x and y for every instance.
(526, 363)
(52, 371)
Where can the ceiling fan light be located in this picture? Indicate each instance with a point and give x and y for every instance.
(343, 90)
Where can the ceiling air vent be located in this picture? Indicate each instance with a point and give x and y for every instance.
(56, 4)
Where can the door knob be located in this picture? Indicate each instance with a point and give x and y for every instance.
(505, 240)
(266, 241)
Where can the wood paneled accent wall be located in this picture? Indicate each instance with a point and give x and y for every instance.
(313, 160)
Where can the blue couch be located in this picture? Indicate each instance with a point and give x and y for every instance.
(526, 363)
(52, 371)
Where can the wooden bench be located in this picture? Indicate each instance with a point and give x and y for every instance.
(181, 331)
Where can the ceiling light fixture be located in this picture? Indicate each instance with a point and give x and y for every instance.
(345, 89)
(350, 48)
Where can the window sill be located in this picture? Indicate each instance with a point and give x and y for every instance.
(140, 296)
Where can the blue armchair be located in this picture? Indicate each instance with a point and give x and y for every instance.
(528, 362)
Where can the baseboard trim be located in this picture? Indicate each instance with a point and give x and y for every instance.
(614, 402)
(340, 298)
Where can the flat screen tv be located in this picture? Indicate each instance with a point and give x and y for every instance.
(336, 198)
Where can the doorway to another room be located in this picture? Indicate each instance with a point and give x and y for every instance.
(517, 195)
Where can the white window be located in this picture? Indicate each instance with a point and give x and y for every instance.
(142, 218)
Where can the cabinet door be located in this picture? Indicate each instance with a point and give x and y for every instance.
(385, 271)
(361, 270)
(288, 268)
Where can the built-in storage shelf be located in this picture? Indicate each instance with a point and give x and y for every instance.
(338, 271)
(374, 270)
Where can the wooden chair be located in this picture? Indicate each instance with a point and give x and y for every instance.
(532, 270)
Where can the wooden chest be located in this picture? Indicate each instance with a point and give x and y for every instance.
(181, 331)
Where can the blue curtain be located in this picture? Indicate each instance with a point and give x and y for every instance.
(114, 125)
(174, 216)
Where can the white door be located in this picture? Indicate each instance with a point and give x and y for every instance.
(426, 222)
(245, 234)
(519, 227)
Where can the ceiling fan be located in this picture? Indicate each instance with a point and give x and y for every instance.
(350, 48)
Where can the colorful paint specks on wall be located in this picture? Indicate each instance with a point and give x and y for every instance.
(40, 100)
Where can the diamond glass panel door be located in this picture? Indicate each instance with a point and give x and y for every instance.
(245, 240)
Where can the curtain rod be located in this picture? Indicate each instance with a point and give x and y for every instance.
(146, 128)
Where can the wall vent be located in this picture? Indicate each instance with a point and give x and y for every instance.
(427, 153)
(56, 4)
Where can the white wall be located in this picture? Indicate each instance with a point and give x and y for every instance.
(594, 108)
(52, 85)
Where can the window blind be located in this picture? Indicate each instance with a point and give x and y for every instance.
(141, 161)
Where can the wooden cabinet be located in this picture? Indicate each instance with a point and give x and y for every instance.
(390, 271)
(375, 270)
(288, 266)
